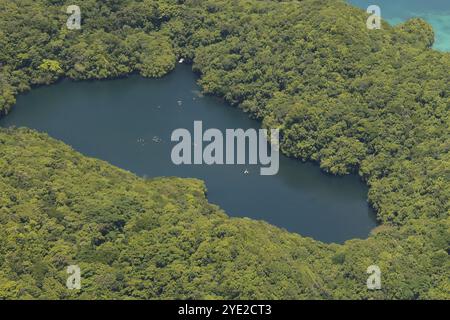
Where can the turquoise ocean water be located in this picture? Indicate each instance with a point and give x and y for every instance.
(435, 12)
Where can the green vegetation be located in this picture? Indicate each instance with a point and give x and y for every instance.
(374, 102)
(159, 238)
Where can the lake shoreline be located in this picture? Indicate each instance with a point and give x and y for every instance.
(214, 195)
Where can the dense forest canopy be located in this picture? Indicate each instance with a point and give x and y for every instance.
(372, 102)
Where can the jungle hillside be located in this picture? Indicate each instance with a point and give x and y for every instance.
(369, 102)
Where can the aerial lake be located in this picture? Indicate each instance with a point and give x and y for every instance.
(128, 122)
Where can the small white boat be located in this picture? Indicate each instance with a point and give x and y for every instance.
(181, 60)
(156, 139)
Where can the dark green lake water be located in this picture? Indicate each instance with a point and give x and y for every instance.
(116, 121)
